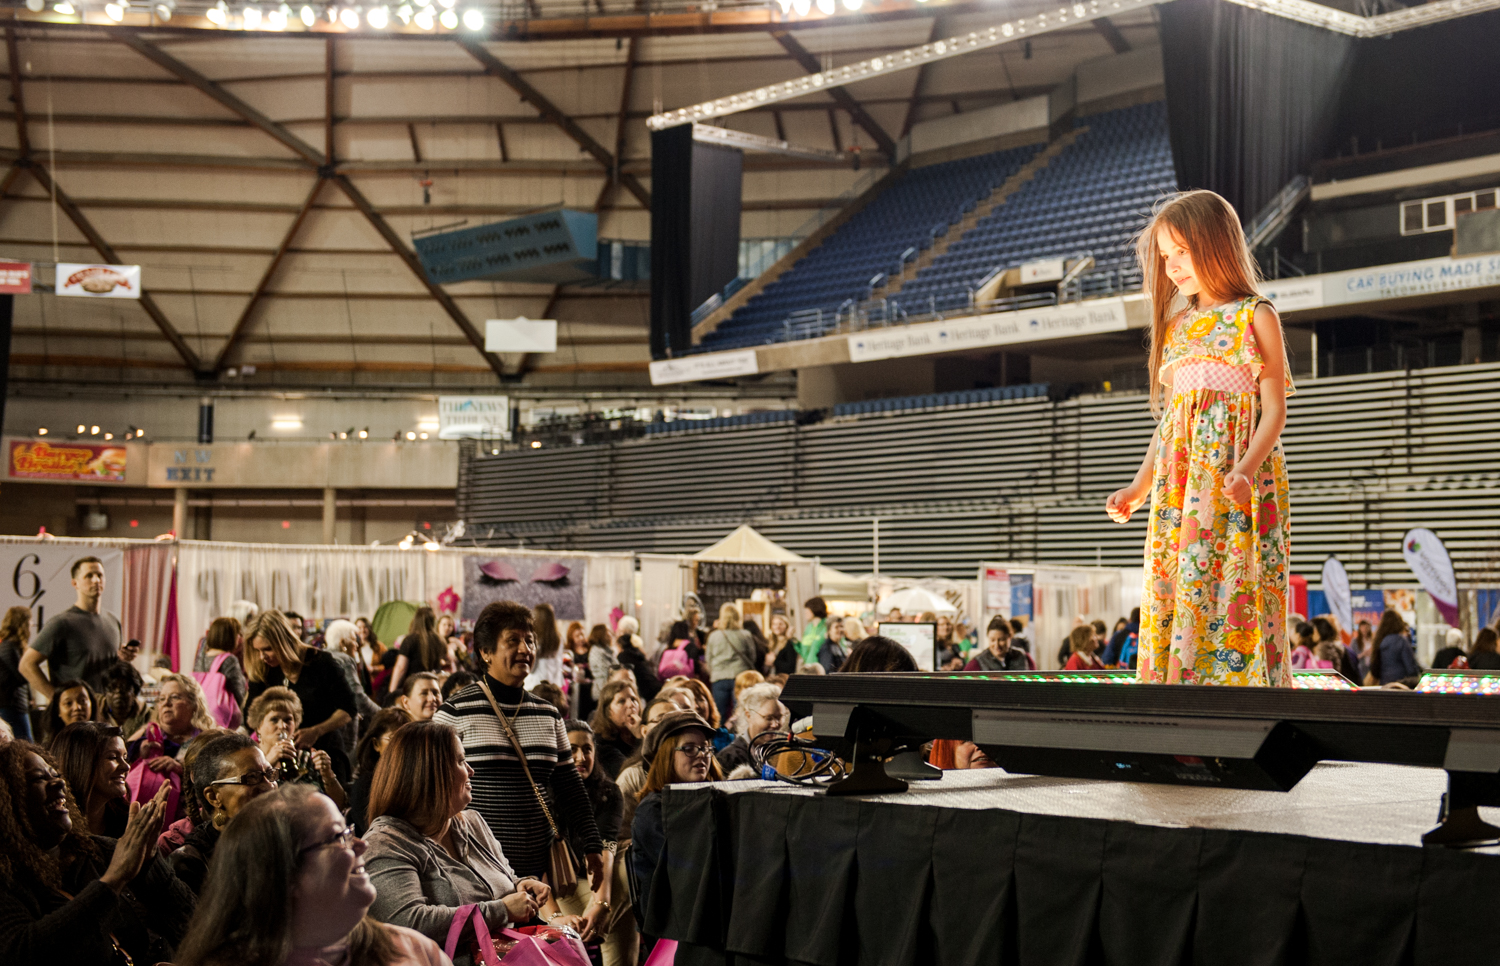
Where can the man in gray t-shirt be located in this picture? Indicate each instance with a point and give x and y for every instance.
(78, 644)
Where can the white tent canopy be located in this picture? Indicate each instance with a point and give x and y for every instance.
(837, 585)
(915, 600)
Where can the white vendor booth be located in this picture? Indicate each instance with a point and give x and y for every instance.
(1049, 599)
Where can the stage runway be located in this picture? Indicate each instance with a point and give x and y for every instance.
(984, 867)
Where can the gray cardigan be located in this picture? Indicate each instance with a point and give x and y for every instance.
(420, 886)
(730, 653)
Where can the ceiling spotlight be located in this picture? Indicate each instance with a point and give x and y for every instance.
(349, 17)
(802, 7)
(65, 8)
(42, 431)
(826, 7)
(406, 542)
(341, 435)
(536, 444)
(431, 545)
(218, 14)
(36, 6)
(308, 15)
(853, 4)
(332, 12)
(114, 12)
(786, 7)
(448, 4)
(404, 12)
(449, 19)
(473, 19)
(93, 430)
(250, 17)
(379, 18)
(364, 433)
(411, 435)
(109, 435)
(80, 429)
(423, 18)
(164, 9)
(277, 19)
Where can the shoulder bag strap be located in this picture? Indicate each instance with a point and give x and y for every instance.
(521, 753)
(219, 661)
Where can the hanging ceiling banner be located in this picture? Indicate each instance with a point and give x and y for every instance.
(1429, 560)
(99, 281)
(15, 278)
(1336, 592)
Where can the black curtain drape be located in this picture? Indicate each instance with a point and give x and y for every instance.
(1252, 99)
(695, 231)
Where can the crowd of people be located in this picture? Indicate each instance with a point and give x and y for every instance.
(306, 797)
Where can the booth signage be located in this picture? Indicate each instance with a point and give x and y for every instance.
(712, 365)
(99, 281)
(40, 578)
(1429, 560)
(15, 278)
(473, 417)
(996, 328)
(81, 462)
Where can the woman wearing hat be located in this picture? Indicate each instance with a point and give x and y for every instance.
(679, 749)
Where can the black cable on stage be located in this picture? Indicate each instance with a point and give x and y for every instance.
(825, 766)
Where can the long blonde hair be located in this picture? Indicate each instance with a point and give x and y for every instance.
(271, 626)
(1208, 227)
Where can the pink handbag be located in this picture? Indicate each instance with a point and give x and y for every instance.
(485, 954)
(536, 951)
(662, 954)
(144, 783)
(221, 704)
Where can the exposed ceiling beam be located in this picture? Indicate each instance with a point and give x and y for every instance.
(248, 312)
(475, 337)
(1112, 35)
(17, 99)
(844, 99)
(81, 222)
(626, 84)
(496, 68)
(919, 86)
(329, 117)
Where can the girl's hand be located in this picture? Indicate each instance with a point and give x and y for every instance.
(1122, 503)
(1237, 487)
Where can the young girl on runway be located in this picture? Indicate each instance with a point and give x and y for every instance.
(1213, 610)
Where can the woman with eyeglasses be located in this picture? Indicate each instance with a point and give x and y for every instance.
(680, 750)
(761, 710)
(288, 888)
(69, 897)
(228, 773)
(428, 853)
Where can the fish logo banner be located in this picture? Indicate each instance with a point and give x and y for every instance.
(1429, 560)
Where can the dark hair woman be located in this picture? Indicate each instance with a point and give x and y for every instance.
(15, 693)
(91, 756)
(617, 725)
(1483, 656)
(428, 853)
(223, 640)
(878, 654)
(72, 701)
(420, 650)
(601, 913)
(372, 744)
(631, 656)
(275, 658)
(69, 897)
(1392, 658)
(228, 772)
(421, 695)
(287, 886)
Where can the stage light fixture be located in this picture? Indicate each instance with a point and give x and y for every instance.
(379, 18)
(421, 436)
(853, 4)
(93, 430)
(308, 15)
(277, 19)
(332, 13)
(786, 7)
(364, 433)
(349, 17)
(449, 20)
(423, 18)
(473, 19)
(448, 4)
(65, 8)
(250, 18)
(109, 435)
(80, 429)
(536, 444)
(164, 9)
(36, 6)
(431, 546)
(406, 542)
(410, 435)
(826, 7)
(404, 12)
(218, 14)
(114, 12)
(42, 431)
(803, 7)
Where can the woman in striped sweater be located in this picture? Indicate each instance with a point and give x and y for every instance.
(506, 644)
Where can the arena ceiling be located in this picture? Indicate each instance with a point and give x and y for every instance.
(270, 183)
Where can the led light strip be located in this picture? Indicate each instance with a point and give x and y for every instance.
(1302, 11)
(1024, 27)
(754, 142)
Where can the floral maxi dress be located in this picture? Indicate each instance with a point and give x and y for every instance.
(1214, 607)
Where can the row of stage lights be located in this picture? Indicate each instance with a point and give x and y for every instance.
(826, 7)
(425, 14)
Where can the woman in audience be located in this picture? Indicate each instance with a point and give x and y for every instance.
(835, 650)
(121, 703)
(600, 913)
(601, 652)
(456, 680)
(420, 650)
(372, 745)
(68, 897)
(92, 757)
(275, 658)
(1392, 659)
(678, 751)
(428, 853)
(15, 693)
(72, 701)
(1084, 643)
(274, 718)
(617, 725)
(998, 655)
(421, 695)
(549, 650)
(223, 639)
(777, 639)
(288, 886)
(228, 772)
(632, 777)
(1303, 639)
(342, 637)
(760, 710)
(731, 650)
(177, 832)
(180, 717)
(950, 656)
(486, 715)
(632, 658)
(1483, 656)
(878, 654)
(703, 703)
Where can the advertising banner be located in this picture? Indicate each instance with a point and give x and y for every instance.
(528, 580)
(1366, 605)
(1020, 596)
(996, 590)
(996, 328)
(15, 278)
(1336, 591)
(710, 365)
(1428, 559)
(38, 577)
(83, 462)
(99, 281)
(473, 417)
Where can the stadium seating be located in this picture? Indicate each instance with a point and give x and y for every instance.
(940, 400)
(722, 422)
(908, 215)
(1092, 198)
